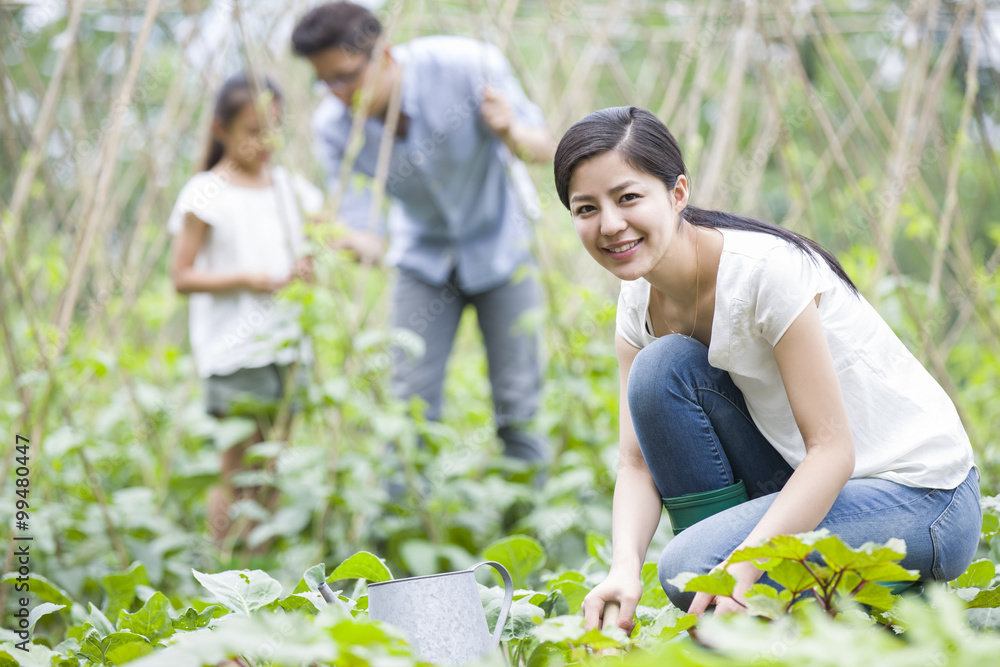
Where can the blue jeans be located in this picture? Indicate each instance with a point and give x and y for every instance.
(696, 434)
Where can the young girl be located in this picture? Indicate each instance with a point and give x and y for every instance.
(237, 241)
(754, 374)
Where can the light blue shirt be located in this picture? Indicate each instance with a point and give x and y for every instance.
(454, 184)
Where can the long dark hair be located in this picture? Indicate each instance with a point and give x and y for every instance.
(645, 144)
(234, 94)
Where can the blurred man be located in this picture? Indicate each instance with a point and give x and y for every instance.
(457, 224)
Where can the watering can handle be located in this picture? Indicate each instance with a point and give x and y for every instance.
(508, 597)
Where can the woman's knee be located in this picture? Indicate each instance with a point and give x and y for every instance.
(665, 364)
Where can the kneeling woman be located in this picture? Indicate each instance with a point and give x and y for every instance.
(753, 374)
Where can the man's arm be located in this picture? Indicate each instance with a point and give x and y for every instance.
(507, 111)
(366, 244)
(533, 144)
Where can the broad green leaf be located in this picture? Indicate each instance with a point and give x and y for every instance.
(299, 601)
(37, 655)
(362, 565)
(190, 619)
(548, 654)
(42, 610)
(119, 588)
(668, 623)
(604, 638)
(791, 547)
(521, 555)
(991, 525)
(241, 591)
(312, 578)
(521, 619)
(838, 556)
(41, 589)
(653, 594)
(151, 621)
(716, 582)
(560, 629)
(99, 621)
(121, 647)
(990, 598)
(873, 595)
(767, 601)
(978, 575)
(572, 590)
(887, 572)
(793, 575)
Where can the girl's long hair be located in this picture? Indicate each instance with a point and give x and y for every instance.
(234, 94)
(645, 144)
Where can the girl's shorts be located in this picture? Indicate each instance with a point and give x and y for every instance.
(252, 391)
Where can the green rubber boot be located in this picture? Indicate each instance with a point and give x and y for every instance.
(689, 509)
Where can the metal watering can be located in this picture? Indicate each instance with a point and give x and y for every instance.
(441, 614)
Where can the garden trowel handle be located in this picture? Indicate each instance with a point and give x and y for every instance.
(611, 611)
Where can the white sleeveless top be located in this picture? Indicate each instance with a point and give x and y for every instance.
(249, 229)
(906, 429)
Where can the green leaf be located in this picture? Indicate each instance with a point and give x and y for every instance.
(572, 589)
(887, 572)
(151, 621)
(190, 619)
(521, 619)
(120, 588)
(42, 589)
(838, 556)
(794, 576)
(521, 555)
(767, 601)
(297, 601)
(42, 610)
(716, 582)
(991, 525)
(978, 575)
(121, 647)
(560, 629)
(875, 596)
(99, 621)
(985, 599)
(790, 547)
(312, 578)
(362, 565)
(653, 594)
(241, 591)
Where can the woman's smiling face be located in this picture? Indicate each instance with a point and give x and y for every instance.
(625, 218)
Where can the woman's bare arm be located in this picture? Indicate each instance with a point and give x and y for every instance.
(635, 514)
(810, 380)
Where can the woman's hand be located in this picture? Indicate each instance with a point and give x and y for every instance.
(746, 575)
(626, 589)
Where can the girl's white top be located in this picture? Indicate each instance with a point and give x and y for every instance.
(249, 230)
(906, 429)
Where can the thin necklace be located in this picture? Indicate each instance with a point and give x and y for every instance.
(697, 287)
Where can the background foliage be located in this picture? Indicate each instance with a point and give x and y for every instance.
(868, 126)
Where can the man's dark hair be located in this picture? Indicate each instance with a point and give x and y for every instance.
(336, 24)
